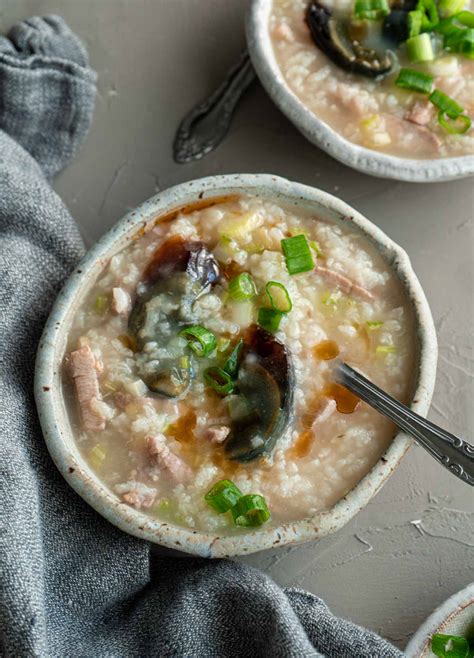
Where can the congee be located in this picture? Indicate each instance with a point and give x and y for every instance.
(397, 77)
(198, 367)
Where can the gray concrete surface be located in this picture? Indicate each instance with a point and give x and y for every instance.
(413, 546)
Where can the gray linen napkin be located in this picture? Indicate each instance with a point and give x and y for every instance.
(70, 583)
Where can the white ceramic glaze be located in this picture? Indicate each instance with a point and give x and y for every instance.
(53, 413)
(320, 133)
(453, 617)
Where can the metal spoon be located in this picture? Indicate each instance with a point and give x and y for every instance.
(449, 450)
(206, 125)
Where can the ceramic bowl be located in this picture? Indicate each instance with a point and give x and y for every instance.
(53, 413)
(320, 133)
(453, 617)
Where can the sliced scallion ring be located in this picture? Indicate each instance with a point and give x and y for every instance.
(223, 496)
(371, 10)
(219, 380)
(242, 287)
(200, 340)
(446, 104)
(420, 48)
(454, 126)
(414, 21)
(279, 297)
(449, 646)
(250, 510)
(231, 366)
(415, 80)
(448, 8)
(430, 17)
(269, 319)
(297, 254)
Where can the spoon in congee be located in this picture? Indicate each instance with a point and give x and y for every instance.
(449, 450)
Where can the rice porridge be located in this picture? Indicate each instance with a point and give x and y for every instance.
(399, 80)
(202, 353)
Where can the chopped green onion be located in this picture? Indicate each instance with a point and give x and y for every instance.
(429, 14)
(449, 646)
(419, 48)
(297, 254)
(461, 43)
(386, 349)
(97, 455)
(231, 366)
(101, 303)
(269, 319)
(446, 104)
(331, 299)
(415, 19)
(465, 17)
(250, 510)
(223, 496)
(223, 344)
(458, 126)
(200, 340)
(242, 287)
(219, 379)
(279, 297)
(316, 248)
(371, 10)
(374, 324)
(415, 80)
(450, 7)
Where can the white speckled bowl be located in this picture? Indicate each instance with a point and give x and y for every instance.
(320, 133)
(53, 413)
(453, 617)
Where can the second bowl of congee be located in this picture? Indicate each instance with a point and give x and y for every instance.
(197, 368)
(393, 77)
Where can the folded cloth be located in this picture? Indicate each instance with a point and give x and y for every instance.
(71, 584)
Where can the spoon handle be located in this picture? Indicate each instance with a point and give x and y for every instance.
(206, 125)
(449, 450)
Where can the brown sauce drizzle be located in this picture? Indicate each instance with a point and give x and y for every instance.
(195, 205)
(346, 402)
(326, 350)
(301, 446)
(182, 428)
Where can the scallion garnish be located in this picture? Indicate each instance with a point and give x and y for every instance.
(200, 340)
(450, 7)
(455, 126)
(279, 297)
(374, 324)
(446, 104)
(420, 48)
(231, 366)
(414, 21)
(461, 43)
(269, 319)
(242, 287)
(101, 303)
(250, 510)
(429, 14)
(223, 496)
(465, 17)
(386, 349)
(219, 380)
(415, 80)
(449, 646)
(371, 10)
(297, 254)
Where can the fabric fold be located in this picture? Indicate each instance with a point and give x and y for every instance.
(47, 90)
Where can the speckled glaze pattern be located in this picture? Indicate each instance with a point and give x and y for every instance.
(453, 617)
(53, 413)
(321, 134)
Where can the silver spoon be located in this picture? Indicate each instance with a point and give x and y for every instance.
(206, 125)
(449, 450)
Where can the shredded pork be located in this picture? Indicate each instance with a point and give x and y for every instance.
(83, 369)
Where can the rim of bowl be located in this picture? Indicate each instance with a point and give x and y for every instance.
(54, 418)
(321, 134)
(437, 620)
